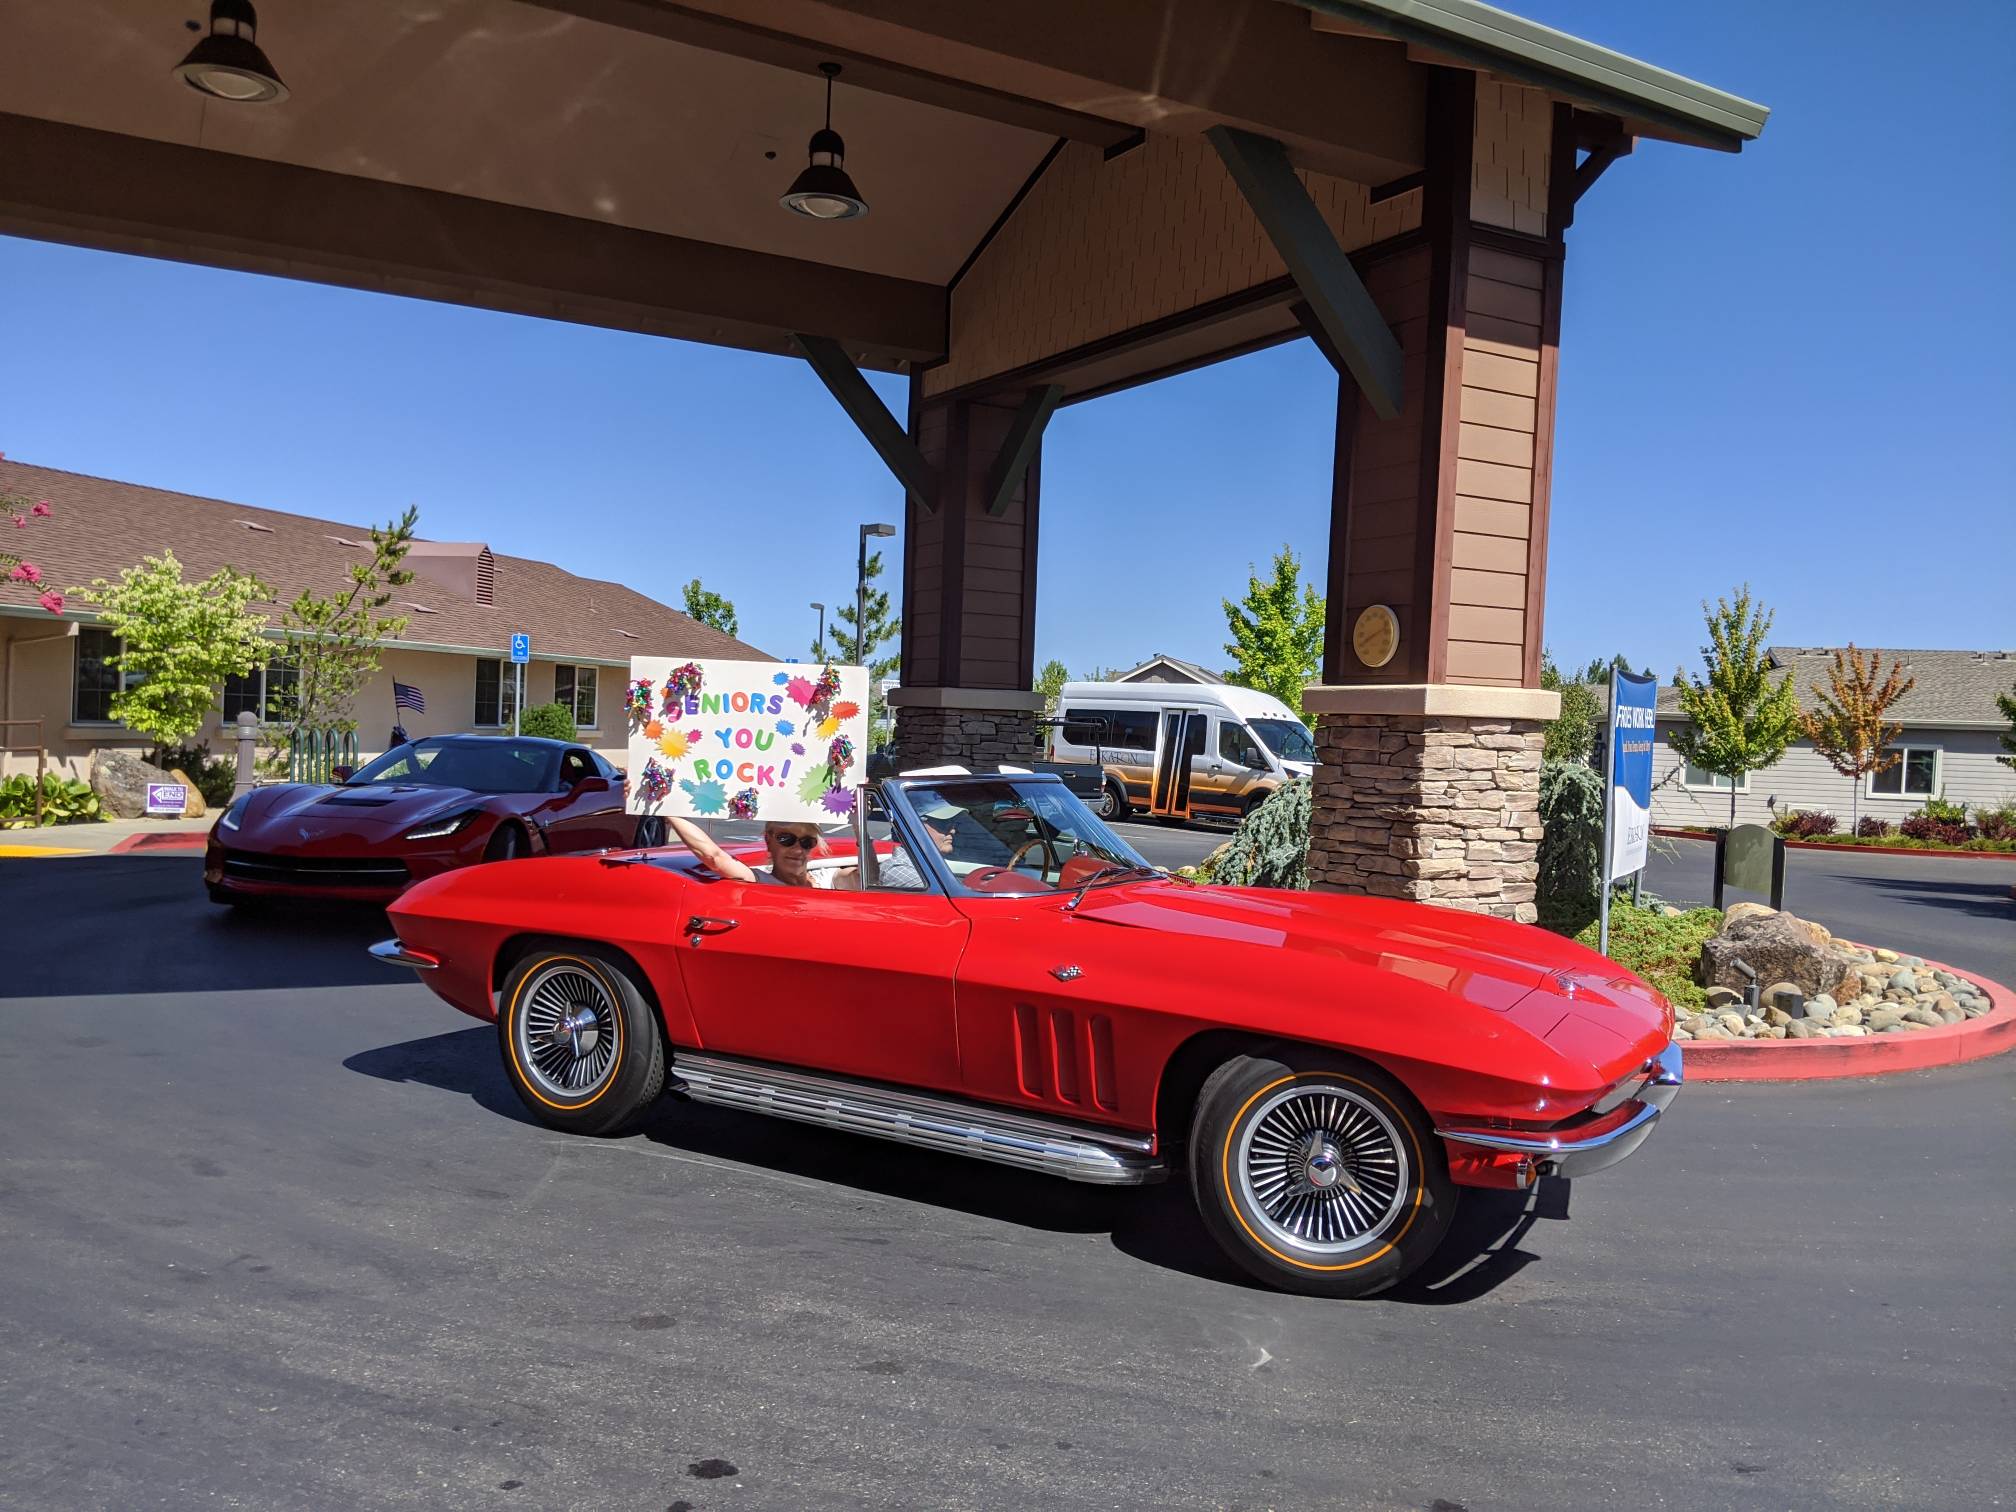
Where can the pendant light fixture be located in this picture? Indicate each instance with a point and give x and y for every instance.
(227, 64)
(824, 191)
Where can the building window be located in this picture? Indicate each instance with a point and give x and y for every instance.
(266, 693)
(1694, 777)
(94, 677)
(496, 694)
(1916, 774)
(574, 689)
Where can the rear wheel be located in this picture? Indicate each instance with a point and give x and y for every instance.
(1318, 1173)
(1112, 800)
(581, 1042)
(650, 832)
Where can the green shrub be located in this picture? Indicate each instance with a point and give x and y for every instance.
(1271, 846)
(1662, 948)
(551, 720)
(1571, 845)
(65, 800)
(1942, 811)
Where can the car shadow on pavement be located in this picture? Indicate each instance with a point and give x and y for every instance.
(1986, 899)
(1155, 1224)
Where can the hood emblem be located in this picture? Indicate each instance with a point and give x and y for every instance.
(1566, 983)
(1066, 973)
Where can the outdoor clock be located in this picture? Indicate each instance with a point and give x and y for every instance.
(1376, 636)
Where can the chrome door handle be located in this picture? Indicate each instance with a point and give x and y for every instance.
(698, 926)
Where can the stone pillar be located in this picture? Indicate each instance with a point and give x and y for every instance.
(1430, 793)
(939, 725)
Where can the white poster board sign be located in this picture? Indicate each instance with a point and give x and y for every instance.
(745, 739)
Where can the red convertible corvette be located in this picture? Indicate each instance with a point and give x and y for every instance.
(423, 808)
(1005, 979)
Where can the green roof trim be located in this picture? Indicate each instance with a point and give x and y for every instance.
(1515, 48)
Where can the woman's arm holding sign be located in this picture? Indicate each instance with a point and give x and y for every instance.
(711, 855)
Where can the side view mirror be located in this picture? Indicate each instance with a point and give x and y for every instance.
(342, 773)
(591, 784)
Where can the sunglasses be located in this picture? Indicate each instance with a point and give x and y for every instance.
(789, 841)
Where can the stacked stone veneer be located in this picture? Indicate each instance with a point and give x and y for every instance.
(1441, 809)
(978, 738)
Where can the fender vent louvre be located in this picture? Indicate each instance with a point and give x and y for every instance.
(1102, 1062)
(1064, 1053)
(1028, 1052)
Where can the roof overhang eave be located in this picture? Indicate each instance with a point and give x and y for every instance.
(1512, 47)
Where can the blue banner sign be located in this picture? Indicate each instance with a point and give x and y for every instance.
(1632, 702)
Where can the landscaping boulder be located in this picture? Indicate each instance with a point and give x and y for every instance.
(1780, 948)
(193, 807)
(120, 779)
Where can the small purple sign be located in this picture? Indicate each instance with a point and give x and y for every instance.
(167, 798)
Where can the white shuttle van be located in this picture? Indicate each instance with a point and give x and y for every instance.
(1175, 750)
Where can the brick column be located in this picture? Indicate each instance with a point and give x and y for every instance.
(1430, 793)
(980, 738)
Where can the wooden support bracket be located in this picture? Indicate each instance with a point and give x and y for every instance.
(1322, 271)
(871, 417)
(1018, 448)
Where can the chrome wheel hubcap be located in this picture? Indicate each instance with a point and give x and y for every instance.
(567, 1032)
(1324, 1169)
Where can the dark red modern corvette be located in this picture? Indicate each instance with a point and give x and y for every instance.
(420, 809)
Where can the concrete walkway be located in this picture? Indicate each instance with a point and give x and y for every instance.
(97, 839)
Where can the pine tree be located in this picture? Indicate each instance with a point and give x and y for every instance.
(1847, 725)
(844, 645)
(1739, 719)
(1277, 632)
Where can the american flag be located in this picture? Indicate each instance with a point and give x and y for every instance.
(405, 697)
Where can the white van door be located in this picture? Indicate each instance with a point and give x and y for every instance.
(1179, 743)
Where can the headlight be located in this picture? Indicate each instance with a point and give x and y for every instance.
(436, 829)
(234, 813)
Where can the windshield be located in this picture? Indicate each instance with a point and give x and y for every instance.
(1005, 836)
(482, 764)
(1286, 738)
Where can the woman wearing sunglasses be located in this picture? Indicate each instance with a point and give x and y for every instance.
(791, 844)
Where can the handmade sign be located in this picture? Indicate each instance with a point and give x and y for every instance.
(745, 740)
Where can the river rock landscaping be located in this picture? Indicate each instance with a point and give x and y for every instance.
(1860, 991)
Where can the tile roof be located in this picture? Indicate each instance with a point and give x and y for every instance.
(1952, 687)
(99, 527)
(1199, 674)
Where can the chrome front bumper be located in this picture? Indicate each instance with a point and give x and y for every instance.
(1609, 1139)
(392, 953)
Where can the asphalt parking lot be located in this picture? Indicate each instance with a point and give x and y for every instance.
(277, 1234)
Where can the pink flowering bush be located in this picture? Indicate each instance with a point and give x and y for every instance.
(12, 568)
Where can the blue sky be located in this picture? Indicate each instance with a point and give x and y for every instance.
(1782, 367)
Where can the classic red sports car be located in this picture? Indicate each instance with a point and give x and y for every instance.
(423, 808)
(1014, 983)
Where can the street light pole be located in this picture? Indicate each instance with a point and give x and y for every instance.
(819, 645)
(861, 592)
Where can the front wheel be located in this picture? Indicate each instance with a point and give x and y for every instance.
(581, 1042)
(1318, 1173)
(508, 844)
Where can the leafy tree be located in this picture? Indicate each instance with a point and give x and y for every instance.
(1050, 682)
(1277, 632)
(710, 608)
(1739, 719)
(2006, 702)
(1573, 733)
(551, 720)
(852, 644)
(336, 635)
(1847, 725)
(178, 642)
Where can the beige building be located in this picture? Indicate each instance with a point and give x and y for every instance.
(464, 604)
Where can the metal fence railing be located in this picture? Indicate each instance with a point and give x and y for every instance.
(315, 755)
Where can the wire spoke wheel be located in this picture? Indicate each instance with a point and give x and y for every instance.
(1323, 1168)
(567, 1034)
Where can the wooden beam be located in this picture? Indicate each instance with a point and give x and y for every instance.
(871, 417)
(121, 193)
(1321, 269)
(1600, 157)
(724, 34)
(1018, 447)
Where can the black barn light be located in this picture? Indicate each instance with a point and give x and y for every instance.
(824, 191)
(227, 64)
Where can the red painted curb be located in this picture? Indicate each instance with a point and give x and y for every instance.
(194, 841)
(1863, 1055)
(1854, 850)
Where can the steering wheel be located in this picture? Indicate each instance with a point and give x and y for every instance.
(1051, 860)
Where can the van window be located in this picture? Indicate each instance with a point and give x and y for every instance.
(1239, 748)
(1286, 738)
(1129, 729)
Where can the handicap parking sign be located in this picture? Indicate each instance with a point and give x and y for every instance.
(521, 648)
